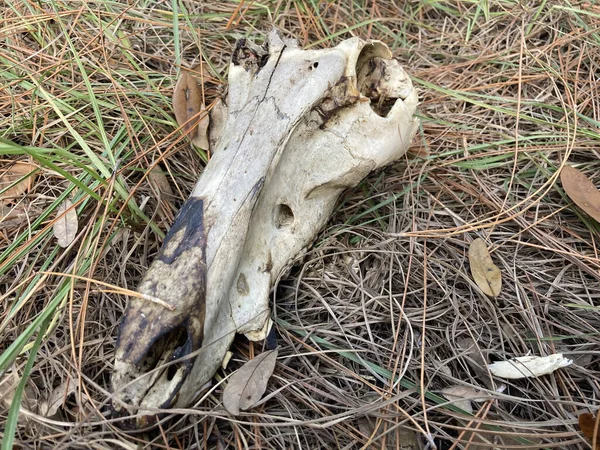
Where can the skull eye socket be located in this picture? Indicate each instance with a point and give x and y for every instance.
(284, 216)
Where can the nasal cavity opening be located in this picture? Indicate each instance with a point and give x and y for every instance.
(284, 216)
(165, 349)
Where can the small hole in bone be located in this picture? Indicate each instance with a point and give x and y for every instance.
(171, 371)
(284, 216)
(242, 285)
(315, 65)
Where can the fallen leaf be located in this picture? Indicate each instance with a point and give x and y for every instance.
(475, 359)
(218, 118)
(158, 180)
(187, 103)
(590, 425)
(485, 273)
(471, 349)
(581, 190)
(16, 176)
(528, 366)
(248, 384)
(8, 386)
(405, 437)
(11, 216)
(201, 139)
(57, 397)
(418, 152)
(65, 227)
(489, 441)
(461, 396)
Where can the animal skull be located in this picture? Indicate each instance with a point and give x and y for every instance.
(298, 127)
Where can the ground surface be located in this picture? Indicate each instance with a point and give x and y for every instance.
(509, 94)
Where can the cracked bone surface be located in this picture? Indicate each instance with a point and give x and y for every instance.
(297, 128)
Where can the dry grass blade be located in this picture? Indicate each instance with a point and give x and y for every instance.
(581, 190)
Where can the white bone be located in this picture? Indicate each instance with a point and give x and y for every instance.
(301, 126)
(528, 366)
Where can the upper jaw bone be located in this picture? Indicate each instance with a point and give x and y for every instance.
(300, 127)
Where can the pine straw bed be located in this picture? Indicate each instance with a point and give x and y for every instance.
(509, 94)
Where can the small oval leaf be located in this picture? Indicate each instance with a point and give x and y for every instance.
(187, 103)
(581, 190)
(461, 396)
(590, 425)
(65, 227)
(248, 384)
(159, 182)
(56, 398)
(485, 273)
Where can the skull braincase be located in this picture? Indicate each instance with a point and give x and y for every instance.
(298, 127)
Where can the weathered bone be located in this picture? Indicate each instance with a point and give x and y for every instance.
(301, 126)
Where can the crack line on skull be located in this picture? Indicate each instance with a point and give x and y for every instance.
(256, 109)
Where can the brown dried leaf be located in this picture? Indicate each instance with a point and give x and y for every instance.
(29, 399)
(475, 359)
(8, 386)
(485, 273)
(581, 190)
(407, 438)
(248, 384)
(160, 184)
(11, 216)
(17, 173)
(56, 398)
(461, 396)
(590, 425)
(201, 139)
(187, 103)
(418, 152)
(66, 225)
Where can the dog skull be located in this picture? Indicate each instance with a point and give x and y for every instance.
(300, 127)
